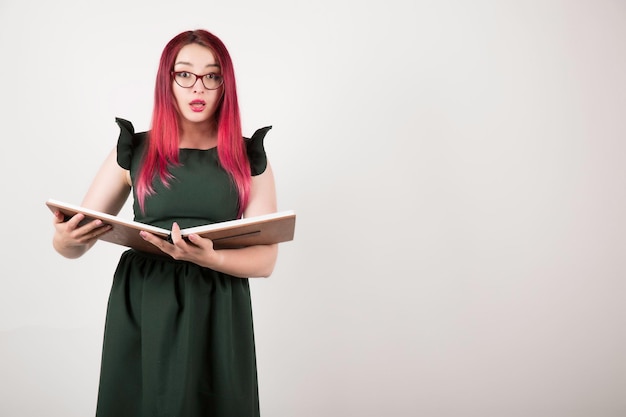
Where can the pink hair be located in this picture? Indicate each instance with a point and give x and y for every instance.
(162, 150)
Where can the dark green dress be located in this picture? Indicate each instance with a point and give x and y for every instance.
(179, 339)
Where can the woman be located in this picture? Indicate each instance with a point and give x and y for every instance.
(179, 337)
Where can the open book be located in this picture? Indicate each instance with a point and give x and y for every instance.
(260, 230)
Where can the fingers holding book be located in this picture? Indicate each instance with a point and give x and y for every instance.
(191, 247)
(73, 235)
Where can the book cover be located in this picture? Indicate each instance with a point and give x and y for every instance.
(259, 230)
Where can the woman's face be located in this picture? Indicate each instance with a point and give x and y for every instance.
(196, 103)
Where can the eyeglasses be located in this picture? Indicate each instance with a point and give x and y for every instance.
(186, 79)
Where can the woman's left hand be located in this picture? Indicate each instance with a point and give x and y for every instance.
(193, 248)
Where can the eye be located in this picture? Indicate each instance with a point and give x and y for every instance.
(183, 74)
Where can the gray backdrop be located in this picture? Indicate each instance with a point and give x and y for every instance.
(457, 169)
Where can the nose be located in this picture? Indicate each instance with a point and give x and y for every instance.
(198, 86)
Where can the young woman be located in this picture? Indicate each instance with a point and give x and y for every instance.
(179, 336)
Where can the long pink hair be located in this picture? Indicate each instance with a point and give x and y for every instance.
(162, 149)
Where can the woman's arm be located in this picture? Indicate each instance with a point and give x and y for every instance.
(252, 261)
(107, 193)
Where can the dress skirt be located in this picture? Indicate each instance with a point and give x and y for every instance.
(178, 342)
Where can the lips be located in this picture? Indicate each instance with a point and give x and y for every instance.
(197, 105)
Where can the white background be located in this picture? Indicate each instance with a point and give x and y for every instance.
(457, 169)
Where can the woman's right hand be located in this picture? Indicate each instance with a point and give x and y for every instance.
(72, 239)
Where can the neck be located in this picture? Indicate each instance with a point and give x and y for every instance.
(198, 135)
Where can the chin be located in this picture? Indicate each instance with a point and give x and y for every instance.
(197, 117)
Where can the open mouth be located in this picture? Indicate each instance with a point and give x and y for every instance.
(197, 105)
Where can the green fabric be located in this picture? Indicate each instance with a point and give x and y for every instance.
(179, 338)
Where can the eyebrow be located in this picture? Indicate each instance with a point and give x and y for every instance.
(189, 63)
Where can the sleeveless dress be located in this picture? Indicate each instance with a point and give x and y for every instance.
(178, 339)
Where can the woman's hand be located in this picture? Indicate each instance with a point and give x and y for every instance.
(193, 249)
(72, 239)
